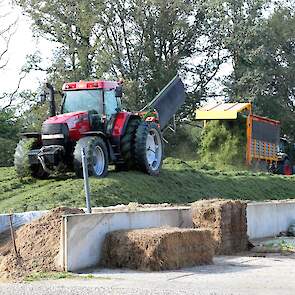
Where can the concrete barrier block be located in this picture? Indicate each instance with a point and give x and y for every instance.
(84, 234)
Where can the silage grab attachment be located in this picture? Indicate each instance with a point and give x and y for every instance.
(168, 101)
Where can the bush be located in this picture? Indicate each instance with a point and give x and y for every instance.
(184, 143)
(7, 152)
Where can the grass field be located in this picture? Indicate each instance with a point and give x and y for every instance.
(179, 182)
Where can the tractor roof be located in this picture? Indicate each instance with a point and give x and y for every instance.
(83, 85)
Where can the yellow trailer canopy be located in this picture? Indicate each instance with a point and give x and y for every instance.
(222, 111)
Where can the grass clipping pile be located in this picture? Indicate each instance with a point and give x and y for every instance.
(157, 249)
(227, 220)
(223, 142)
(38, 245)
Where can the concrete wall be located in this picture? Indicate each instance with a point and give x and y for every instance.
(83, 234)
(19, 219)
(268, 219)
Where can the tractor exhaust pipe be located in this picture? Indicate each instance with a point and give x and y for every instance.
(52, 107)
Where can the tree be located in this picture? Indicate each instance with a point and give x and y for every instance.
(145, 42)
(70, 24)
(275, 68)
(239, 24)
(9, 129)
(260, 45)
(7, 30)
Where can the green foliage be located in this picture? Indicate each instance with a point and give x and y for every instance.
(32, 119)
(9, 129)
(275, 65)
(261, 50)
(184, 143)
(7, 151)
(180, 182)
(239, 23)
(223, 142)
(26, 144)
(144, 42)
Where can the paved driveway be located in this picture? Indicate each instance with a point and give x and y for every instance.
(274, 274)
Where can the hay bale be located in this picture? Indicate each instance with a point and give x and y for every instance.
(157, 248)
(227, 220)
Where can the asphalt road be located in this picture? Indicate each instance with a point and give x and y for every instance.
(270, 275)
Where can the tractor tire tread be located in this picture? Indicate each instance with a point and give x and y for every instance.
(128, 143)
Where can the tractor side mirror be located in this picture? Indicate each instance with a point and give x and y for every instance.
(119, 91)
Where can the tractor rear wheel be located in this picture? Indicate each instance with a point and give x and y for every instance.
(149, 148)
(127, 146)
(21, 160)
(97, 156)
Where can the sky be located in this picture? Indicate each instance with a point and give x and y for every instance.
(22, 44)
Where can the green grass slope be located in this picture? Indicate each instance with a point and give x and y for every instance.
(179, 182)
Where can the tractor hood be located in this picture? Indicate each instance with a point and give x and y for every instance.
(77, 123)
(69, 118)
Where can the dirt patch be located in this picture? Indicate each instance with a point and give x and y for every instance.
(38, 244)
(158, 248)
(227, 220)
(5, 243)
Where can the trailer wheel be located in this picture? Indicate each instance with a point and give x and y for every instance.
(127, 145)
(21, 160)
(149, 148)
(97, 156)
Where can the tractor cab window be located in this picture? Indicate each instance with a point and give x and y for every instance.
(111, 102)
(82, 100)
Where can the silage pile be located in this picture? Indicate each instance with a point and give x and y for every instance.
(223, 142)
(38, 244)
(157, 249)
(227, 220)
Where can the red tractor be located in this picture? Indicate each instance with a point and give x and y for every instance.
(92, 119)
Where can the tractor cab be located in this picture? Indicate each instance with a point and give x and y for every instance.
(101, 98)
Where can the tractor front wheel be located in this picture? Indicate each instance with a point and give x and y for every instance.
(97, 156)
(149, 148)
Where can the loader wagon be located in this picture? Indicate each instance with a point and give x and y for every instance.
(265, 150)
